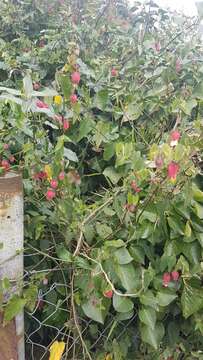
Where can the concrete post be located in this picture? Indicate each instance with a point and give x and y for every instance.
(11, 259)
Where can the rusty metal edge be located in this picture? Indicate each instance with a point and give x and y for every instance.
(11, 184)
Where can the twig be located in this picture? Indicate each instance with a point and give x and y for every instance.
(76, 319)
(88, 218)
(111, 284)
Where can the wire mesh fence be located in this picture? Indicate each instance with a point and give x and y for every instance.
(54, 319)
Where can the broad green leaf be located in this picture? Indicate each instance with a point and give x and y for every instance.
(197, 193)
(30, 294)
(123, 153)
(147, 315)
(152, 337)
(164, 298)
(132, 199)
(149, 299)
(187, 106)
(109, 151)
(176, 225)
(64, 81)
(63, 254)
(188, 230)
(103, 230)
(101, 99)
(101, 133)
(112, 175)
(122, 304)
(46, 92)
(10, 91)
(9, 97)
(198, 91)
(95, 309)
(124, 316)
(198, 208)
(191, 300)
(27, 85)
(70, 155)
(86, 125)
(117, 351)
(183, 265)
(13, 308)
(129, 276)
(137, 253)
(122, 256)
(114, 243)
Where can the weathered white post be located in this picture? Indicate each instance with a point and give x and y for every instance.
(11, 259)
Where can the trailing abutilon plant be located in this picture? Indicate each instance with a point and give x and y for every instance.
(101, 112)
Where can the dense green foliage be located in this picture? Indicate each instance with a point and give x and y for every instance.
(123, 231)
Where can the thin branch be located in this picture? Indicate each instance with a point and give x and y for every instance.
(76, 319)
(88, 218)
(111, 284)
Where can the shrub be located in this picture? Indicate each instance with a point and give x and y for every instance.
(101, 108)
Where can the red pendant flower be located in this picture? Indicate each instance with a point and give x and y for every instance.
(173, 169)
(175, 135)
(40, 104)
(166, 279)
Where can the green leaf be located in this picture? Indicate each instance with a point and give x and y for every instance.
(187, 106)
(129, 277)
(188, 230)
(124, 153)
(114, 243)
(27, 84)
(64, 81)
(191, 300)
(30, 296)
(103, 230)
(148, 316)
(111, 173)
(46, 92)
(132, 199)
(109, 151)
(197, 193)
(95, 309)
(13, 308)
(149, 299)
(122, 304)
(198, 90)
(63, 254)
(101, 99)
(70, 155)
(122, 256)
(86, 125)
(10, 91)
(152, 337)
(176, 225)
(164, 298)
(137, 253)
(198, 209)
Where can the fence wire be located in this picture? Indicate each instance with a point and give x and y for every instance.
(41, 332)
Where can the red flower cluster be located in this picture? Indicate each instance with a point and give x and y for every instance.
(135, 187)
(168, 277)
